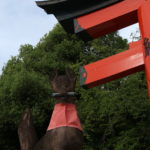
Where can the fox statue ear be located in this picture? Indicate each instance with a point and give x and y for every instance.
(54, 76)
(26, 131)
(70, 74)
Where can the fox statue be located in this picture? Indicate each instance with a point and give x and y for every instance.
(64, 131)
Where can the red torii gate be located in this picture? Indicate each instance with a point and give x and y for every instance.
(104, 21)
(112, 18)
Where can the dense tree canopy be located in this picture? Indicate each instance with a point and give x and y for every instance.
(115, 116)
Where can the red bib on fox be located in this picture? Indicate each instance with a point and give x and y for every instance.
(64, 115)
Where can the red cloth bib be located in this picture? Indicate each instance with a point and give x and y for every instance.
(64, 115)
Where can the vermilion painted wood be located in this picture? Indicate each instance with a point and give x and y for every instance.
(64, 115)
(110, 19)
(144, 21)
(66, 10)
(114, 67)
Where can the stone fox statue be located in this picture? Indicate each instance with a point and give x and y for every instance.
(64, 131)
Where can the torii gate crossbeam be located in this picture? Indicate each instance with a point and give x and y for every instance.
(113, 67)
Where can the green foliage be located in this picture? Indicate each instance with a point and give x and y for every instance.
(115, 116)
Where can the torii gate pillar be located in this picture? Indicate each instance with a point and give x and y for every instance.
(144, 22)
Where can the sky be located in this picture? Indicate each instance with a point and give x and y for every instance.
(22, 22)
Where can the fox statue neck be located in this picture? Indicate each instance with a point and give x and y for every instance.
(64, 115)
